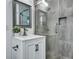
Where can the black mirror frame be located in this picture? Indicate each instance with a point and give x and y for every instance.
(30, 13)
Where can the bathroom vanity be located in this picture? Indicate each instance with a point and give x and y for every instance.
(28, 47)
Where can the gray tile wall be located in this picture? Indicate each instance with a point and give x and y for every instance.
(60, 45)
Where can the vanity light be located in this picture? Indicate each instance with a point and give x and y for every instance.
(43, 3)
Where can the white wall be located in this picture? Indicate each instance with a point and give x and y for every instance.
(9, 21)
(8, 28)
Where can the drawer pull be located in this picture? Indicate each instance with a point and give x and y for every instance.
(36, 47)
(15, 47)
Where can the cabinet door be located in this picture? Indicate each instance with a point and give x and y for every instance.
(39, 50)
(31, 51)
(14, 54)
(35, 50)
(15, 49)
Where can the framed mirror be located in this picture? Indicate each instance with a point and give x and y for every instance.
(41, 22)
(21, 14)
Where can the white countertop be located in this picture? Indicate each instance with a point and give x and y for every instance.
(29, 37)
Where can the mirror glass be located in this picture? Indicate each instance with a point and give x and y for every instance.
(41, 22)
(21, 14)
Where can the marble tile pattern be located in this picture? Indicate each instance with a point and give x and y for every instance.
(61, 45)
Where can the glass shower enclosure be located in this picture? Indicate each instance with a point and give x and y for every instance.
(41, 27)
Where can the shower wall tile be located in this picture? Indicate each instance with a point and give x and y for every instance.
(60, 47)
(52, 16)
(69, 32)
(66, 50)
(66, 58)
(66, 33)
(65, 7)
(51, 42)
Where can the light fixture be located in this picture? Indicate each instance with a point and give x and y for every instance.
(42, 5)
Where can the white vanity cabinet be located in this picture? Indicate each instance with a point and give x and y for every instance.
(28, 47)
